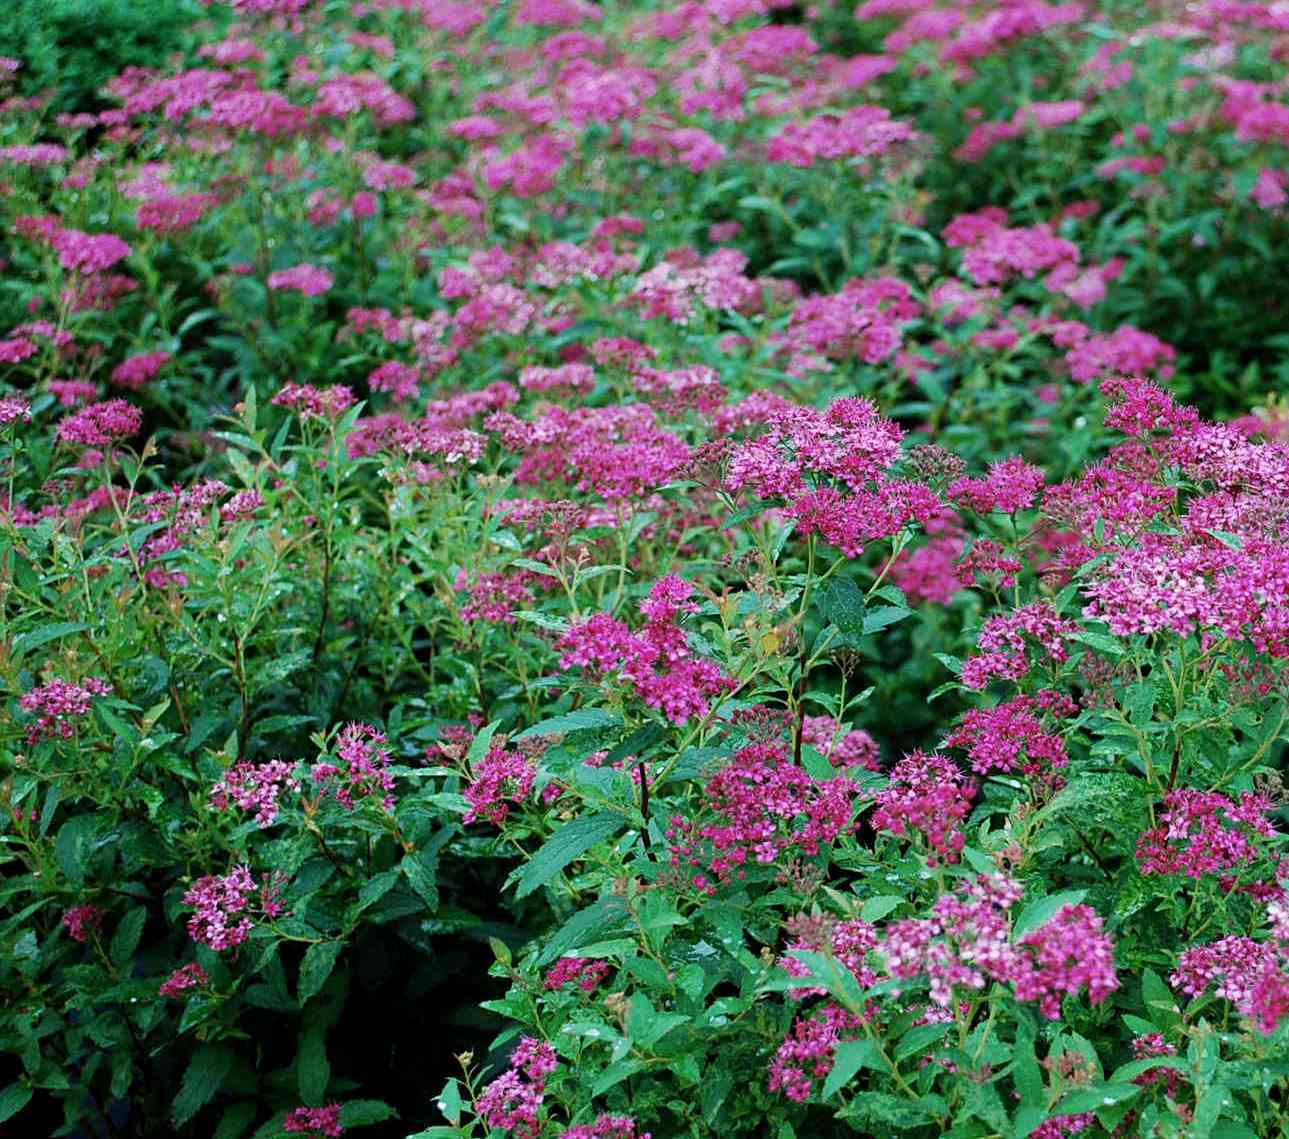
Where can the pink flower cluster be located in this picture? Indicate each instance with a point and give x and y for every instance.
(217, 902)
(135, 371)
(101, 424)
(255, 788)
(1010, 736)
(513, 1101)
(1012, 485)
(314, 1121)
(967, 941)
(1205, 832)
(190, 976)
(79, 921)
(859, 132)
(14, 409)
(1067, 953)
(311, 280)
(926, 795)
(363, 771)
(850, 443)
(1252, 975)
(58, 704)
(657, 661)
(1006, 638)
(606, 1127)
(496, 597)
(89, 253)
(846, 747)
(766, 809)
(588, 973)
(313, 402)
(500, 778)
(994, 253)
(809, 1052)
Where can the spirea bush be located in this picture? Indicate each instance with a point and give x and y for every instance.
(614, 570)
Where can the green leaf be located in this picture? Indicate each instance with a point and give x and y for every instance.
(1126, 1073)
(1095, 1097)
(481, 743)
(614, 1074)
(449, 1101)
(1102, 642)
(235, 1120)
(72, 847)
(313, 1072)
(884, 615)
(1139, 700)
(364, 1112)
(1042, 911)
(126, 938)
(918, 1039)
(377, 887)
(206, 1071)
(46, 633)
(849, 1059)
(842, 603)
(319, 960)
(13, 1099)
(421, 870)
(1159, 1000)
(1026, 1074)
(882, 1108)
(647, 1025)
(606, 914)
(574, 838)
(877, 908)
(582, 720)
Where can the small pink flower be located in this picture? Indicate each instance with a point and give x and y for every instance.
(315, 1121)
(311, 280)
(81, 920)
(190, 976)
(101, 424)
(89, 253)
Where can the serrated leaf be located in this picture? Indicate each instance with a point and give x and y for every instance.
(842, 602)
(235, 1121)
(1042, 911)
(918, 1039)
(605, 914)
(206, 1072)
(849, 1059)
(647, 1025)
(573, 839)
(421, 870)
(449, 1101)
(313, 1070)
(614, 1074)
(581, 720)
(319, 960)
(1102, 642)
(24, 642)
(128, 933)
(13, 1099)
(877, 908)
(1126, 1073)
(884, 615)
(1095, 1097)
(480, 745)
(364, 1112)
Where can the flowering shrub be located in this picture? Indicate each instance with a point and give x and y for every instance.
(650, 569)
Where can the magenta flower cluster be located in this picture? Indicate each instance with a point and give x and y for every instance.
(657, 661)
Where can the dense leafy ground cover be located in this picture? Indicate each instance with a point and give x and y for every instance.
(701, 569)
